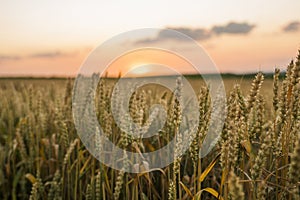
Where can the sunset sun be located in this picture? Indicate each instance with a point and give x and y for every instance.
(140, 69)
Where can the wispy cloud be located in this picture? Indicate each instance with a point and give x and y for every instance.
(293, 26)
(51, 54)
(197, 34)
(201, 33)
(9, 57)
(46, 55)
(233, 28)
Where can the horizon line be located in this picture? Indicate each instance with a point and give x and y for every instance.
(42, 76)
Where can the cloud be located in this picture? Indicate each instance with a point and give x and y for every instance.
(233, 28)
(10, 57)
(200, 33)
(52, 54)
(163, 35)
(292, 27)
(43, 55)
(197, 34)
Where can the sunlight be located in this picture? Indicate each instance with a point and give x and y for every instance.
(140, 69)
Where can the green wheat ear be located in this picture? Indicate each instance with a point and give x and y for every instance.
(88, 193)
(235, 188)
(294, 170)
(172, 191)
(255, 88)
(98, 186)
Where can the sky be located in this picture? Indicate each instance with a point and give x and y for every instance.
(54, 38)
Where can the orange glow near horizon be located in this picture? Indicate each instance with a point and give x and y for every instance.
(231, 54)
(138, 58)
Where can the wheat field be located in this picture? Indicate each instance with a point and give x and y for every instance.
(257, 156)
